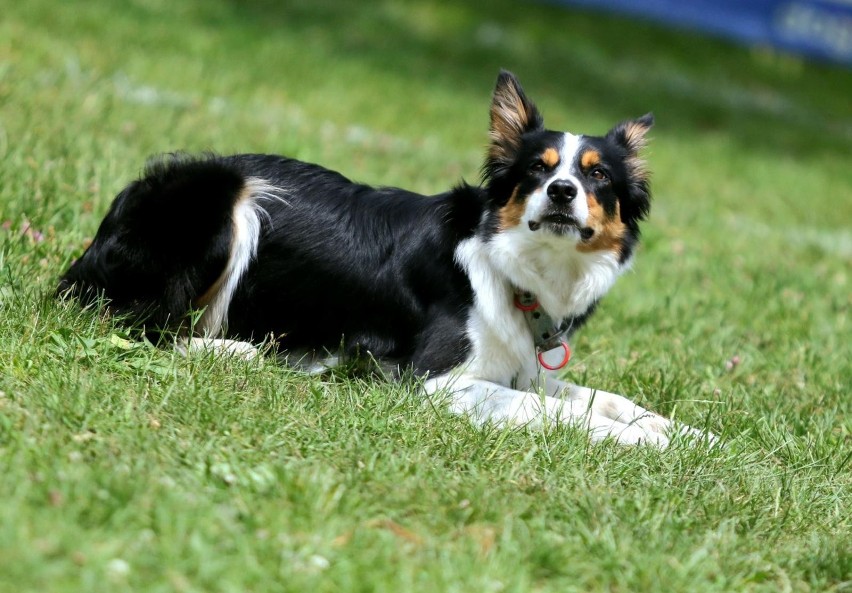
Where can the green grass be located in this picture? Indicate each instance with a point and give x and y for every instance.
(128, 468)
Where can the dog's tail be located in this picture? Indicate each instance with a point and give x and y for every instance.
(179, 238)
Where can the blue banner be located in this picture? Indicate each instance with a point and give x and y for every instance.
(818, 28)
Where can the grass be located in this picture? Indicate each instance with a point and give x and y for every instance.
(128, 468)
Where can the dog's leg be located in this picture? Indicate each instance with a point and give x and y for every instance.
(217, 346)
(485, 401)
(620, 409)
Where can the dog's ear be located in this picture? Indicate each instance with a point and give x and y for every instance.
(512, 115)
(631, 135)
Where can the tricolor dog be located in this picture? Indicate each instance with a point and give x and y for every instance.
(476, 290)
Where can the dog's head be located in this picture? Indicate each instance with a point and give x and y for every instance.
(589, 191)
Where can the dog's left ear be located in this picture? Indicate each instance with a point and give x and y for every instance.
(631, 133)
(512, 115)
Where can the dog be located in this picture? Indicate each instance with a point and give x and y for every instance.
(476, 290)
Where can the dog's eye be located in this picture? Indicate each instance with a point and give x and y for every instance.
(599, 174)
(539, 166)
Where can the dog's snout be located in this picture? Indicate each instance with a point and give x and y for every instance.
(562, 191)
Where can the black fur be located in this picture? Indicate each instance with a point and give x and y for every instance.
(338, 263)
(373, 267)
(164, 241)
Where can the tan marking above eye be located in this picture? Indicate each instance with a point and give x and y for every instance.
(589, 159)
(550, 157)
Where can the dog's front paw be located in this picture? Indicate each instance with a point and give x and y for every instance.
(656, 424)
(653, 423)
(629, 434)
(638, 435)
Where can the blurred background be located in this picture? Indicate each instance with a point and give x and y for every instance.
(319, 78)
(816, 28)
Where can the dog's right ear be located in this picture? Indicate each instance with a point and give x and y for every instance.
(512, 115)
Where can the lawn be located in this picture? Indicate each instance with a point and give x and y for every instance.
(129, 468)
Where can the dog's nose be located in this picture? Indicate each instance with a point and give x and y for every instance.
(562, 191)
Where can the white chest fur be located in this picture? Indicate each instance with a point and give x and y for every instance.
(565, 281)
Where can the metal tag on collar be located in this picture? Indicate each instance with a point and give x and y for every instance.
(547, 335)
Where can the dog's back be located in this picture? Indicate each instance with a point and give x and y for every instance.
(274, 247)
